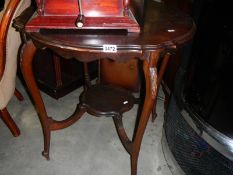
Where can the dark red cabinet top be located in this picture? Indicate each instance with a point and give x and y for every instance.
(99, 14)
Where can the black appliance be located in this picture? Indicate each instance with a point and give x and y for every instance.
(198, 126)
(2, 2)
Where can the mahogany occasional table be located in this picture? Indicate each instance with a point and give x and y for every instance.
(163, 30)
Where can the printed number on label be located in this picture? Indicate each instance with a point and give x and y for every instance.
(109, 48)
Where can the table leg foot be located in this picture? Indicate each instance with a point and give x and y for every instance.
(46, 155)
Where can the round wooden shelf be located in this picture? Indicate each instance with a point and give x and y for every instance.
(106, 100)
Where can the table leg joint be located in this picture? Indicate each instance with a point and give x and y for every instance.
(57, 125)
(126, 142)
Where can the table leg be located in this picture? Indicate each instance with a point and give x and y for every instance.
(48, 123)
(161, 72)
(150, 73)
(27, 55)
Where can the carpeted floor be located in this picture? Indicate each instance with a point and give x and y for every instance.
(89, 147)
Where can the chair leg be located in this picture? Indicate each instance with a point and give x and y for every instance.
(18, 95)
(5, 116)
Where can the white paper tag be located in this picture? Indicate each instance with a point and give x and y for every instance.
(109, 48)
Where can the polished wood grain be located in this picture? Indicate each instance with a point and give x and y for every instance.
(92, 8)
(96, 14)
(164, 30)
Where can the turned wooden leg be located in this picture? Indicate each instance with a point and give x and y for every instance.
(57, 67)
(27, 56)
(5, 116)
(87, 80)
(18, 95)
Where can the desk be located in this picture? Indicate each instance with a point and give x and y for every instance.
(163, 31)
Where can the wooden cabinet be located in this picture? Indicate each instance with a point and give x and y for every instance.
(124, 74)
(77, 14)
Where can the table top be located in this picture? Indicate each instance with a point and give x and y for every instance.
(162, 27)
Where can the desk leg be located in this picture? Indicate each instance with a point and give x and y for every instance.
(150, 73)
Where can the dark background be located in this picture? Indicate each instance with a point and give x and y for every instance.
(208, 77)
(2, 4)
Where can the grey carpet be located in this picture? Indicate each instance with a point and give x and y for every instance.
(89, 147)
